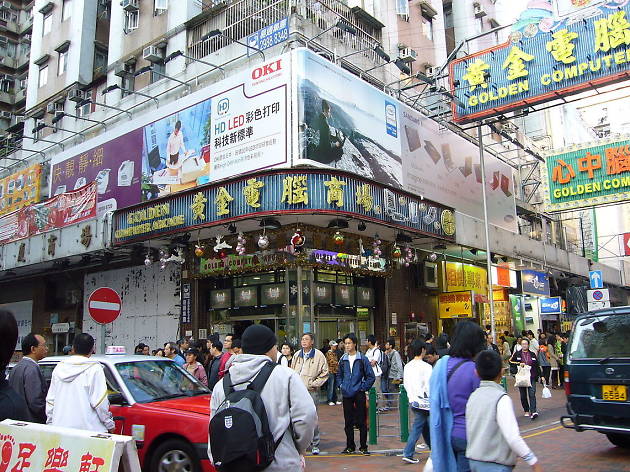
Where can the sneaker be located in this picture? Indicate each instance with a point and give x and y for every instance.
(527, 413)
(331, 403)
(315, 451)
(347, 451)
(364, 451)
(422, 446)
(411, 460)
(338, 403)
(534, 416)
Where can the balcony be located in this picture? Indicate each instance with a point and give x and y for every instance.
(7, 97)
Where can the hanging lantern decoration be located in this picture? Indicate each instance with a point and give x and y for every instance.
(376, 244)
(298, 239)
(338, 238)
(396, 252)
(240, 244)
(408, 256)
(263, 241)
(147, 260)
(199, 250)
(163, 257)
(222, 254)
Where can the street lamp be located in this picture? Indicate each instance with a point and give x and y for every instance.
(342, 25)
(60, 114)
(87, 101)
(218, 32)
(113, 87)
(150, 69)
(398, 62)
(41, 126)
(179, 53)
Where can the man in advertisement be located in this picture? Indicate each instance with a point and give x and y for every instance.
(330, 147)
(173, 146)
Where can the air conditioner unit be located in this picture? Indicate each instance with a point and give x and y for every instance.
(6, 115)
(119, 71)
(407, 54)
(130, 5)
(432, 70)
(53, 108)
(23, 84)
(76, 95)
(17, 119)
(152, 54)
(479, 11)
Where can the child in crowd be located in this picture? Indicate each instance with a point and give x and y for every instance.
(494, 441)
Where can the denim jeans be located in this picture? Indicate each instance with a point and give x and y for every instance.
(459, 449)
(315, 396)
(528, 398)
(479, 466)
(332, 388)
(420, 426)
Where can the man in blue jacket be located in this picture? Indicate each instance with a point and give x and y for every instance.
(355, 376)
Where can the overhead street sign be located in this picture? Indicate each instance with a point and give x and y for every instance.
(104, 305)
(595, 276)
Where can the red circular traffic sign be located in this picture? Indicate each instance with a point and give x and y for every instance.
(104, 305)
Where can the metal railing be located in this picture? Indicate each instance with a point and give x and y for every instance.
(241, 18)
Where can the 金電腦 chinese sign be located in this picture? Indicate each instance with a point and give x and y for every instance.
(555, 58)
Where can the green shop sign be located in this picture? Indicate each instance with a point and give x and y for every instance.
(588, 175)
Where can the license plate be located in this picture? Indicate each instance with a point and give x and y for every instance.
(616, 393)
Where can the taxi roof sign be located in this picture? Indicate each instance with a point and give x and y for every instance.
(116, 350)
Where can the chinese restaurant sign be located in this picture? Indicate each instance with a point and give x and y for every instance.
(57, 212)
(558, 58)
(290, 192)
(459, 277)
(20, 189)
(581, 176)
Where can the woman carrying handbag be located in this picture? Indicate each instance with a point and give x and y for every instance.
(526, 362)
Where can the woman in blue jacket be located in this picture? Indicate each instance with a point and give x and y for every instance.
(355, 376)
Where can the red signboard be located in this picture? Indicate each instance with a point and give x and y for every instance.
(626, 243)
(104, 305)
(61, 210)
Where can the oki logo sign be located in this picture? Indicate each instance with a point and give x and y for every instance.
(266, 69)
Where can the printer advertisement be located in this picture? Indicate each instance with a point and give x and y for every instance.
(114, 165)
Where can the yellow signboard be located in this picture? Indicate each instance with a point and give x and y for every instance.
(455, 305)
(458, 277)
(20, 189)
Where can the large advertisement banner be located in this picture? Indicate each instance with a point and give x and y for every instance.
(20, 189)
(347, 124)
(588, 175)
(57, 212)
(235, 126)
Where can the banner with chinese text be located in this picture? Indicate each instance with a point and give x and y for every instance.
(588, 175)
(545, 61)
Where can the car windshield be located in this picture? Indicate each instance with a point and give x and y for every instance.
(150, 381)
(600, 337)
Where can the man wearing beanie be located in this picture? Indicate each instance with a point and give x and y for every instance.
(290, 411)
(312, 367)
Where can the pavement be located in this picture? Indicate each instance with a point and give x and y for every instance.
(557, 448)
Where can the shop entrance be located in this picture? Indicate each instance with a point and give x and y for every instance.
(330, 328)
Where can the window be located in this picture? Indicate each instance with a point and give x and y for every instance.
(160, 6)
(66, 10)
(160, 68)
(47, 28)
(62, 62)
(427, 28)
(100, 61)
(43, 76)
(128, 80)
(132, 20)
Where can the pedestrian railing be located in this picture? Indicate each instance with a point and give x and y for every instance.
(391, 419)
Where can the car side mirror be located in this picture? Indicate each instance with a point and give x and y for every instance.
(117, 399)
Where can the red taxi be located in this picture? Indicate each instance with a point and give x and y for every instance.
(164, 408)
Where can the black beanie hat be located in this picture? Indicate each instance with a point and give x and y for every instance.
(258, 339)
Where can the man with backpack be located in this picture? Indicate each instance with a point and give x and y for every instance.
(261, 414)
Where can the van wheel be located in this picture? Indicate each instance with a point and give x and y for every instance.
(174, 455)
(619, 440)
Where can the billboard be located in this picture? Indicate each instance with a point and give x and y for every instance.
(347, 124)
(535, 283)
(545, 61)
(234, 126)
(588, 175)
(20, 189)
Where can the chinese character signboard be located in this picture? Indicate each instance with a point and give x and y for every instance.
(268, 36)
(555, 58)
(588, 175)
(20, 189)
(458, 277)
(535, 283)
(455, 304)
(307, 191)
(234, 126)
(347, 124)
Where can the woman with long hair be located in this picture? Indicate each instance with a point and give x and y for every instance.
(452, 382)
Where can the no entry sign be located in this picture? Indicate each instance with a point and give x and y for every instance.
(104, 305)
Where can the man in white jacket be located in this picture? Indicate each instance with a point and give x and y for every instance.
(77, 397)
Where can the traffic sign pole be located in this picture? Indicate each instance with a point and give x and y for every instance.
(104, 306)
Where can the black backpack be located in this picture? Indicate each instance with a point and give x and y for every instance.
(240, 439)
(385, 364)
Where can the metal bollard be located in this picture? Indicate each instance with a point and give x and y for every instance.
(504, 383)
(372, 412)
(403, 408)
